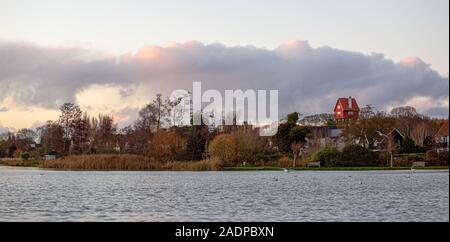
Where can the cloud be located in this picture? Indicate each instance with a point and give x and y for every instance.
(437, 111)
(309, 79)
(4, 130)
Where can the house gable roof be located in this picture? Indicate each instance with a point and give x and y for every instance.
(443, 130)
(343, 102)
(396, 131)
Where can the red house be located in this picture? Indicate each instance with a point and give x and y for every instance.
(346, 109)
(442, 138)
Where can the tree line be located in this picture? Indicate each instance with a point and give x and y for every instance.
(157, 134)
(154, 133)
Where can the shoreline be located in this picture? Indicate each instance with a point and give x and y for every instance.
(234, 169)
(142, 163)
(299, 169)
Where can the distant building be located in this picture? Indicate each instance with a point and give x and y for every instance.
(346, 109)
(53, 155)
(50, 157)
(442, 138)
(117, 148)
(396, 137)
(326, 136)
(231, 128)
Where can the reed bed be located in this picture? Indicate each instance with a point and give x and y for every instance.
(127, 162)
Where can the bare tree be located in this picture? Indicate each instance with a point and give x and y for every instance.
(147, 120)
(390, 145)
(419, 132)
(366, 129)
(70, 116)
(51, 137)
(104, 133)
(406, 111)
(163, 107)
(154, 115)
(367, 112)
(406, 118)
(296, 150)
(80, 136)
(176, 110)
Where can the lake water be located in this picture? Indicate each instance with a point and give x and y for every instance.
(28, 194)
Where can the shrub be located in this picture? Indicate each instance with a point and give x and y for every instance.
(434, 158)
(443, 156)
(249, 146)
(284, 161)
(166, 145)
(384, 158)
(409, 146)
(428, 143)
(223, 147)
(355, 155)
(25, 156)
(408, 160)
(327, 156)
(238, 147)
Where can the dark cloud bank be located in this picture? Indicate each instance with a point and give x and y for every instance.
(309, 79)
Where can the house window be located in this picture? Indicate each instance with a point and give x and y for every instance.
(350, 113)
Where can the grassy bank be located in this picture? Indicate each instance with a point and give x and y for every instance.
(333, 168)
(254, 168)
(369, 168)
(20, 162)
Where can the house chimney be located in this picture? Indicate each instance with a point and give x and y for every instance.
(350, 102)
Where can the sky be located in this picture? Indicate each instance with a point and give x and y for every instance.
(89, 51)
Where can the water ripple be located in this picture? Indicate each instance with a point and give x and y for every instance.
(42, 195)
